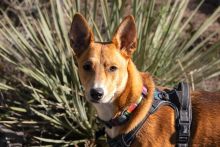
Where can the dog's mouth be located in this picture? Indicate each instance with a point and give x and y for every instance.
(94, 101)
(91, 100)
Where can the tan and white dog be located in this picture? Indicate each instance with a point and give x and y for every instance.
(112, 82)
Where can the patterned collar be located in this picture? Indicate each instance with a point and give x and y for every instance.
(125, 114)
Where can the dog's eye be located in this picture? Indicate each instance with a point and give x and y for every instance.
(113, 68)
(87, 67)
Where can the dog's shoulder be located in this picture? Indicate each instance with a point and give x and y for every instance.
(206, 118)
(206, 104)
(158, 129)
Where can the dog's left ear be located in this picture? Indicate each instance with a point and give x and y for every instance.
(125, 37)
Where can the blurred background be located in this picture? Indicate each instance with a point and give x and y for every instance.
(41, 99)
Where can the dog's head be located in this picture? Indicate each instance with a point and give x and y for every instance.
(103, 66)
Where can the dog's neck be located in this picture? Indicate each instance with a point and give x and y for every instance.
(105, 111)
(130, 94)
(132, 90)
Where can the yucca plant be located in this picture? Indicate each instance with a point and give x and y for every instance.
(40, 49)
(49, 106)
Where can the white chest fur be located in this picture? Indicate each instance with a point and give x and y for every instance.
(105, 112)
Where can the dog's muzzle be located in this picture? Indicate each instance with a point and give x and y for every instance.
(96, 93)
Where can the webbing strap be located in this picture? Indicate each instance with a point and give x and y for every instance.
(185, 115)
(125, 140)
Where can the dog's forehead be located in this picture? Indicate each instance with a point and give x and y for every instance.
(102, 52)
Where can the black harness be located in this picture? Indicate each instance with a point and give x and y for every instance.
(178, 99)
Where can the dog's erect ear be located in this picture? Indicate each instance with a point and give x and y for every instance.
(80, 34)
(125, 37)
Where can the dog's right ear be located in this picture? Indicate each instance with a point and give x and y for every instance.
(80, 34)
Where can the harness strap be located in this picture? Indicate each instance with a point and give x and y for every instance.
(185, 115)
(125, 140)
(158, 103)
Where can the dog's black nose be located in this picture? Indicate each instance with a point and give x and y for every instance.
(97, 93)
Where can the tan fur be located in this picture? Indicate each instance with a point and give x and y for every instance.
(124, 87)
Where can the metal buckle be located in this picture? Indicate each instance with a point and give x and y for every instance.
(184, 132)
